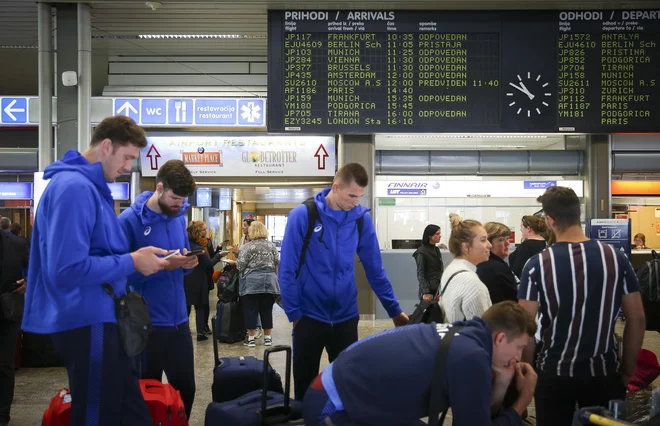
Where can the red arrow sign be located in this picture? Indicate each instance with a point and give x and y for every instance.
(153, 155)
(321, 155)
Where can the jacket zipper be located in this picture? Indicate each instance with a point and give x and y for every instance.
(334, 275)
(169, 240)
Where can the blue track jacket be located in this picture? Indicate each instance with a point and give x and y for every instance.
(325, 289)
(163, 290)
(77, 245)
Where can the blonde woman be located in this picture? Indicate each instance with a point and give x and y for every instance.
(257, 263)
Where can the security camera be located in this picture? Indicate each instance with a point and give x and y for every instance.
(69, 78)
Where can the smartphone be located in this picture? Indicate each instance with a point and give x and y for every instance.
(195, 253)
(172, 253)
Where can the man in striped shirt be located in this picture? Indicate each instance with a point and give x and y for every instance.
(579, 285)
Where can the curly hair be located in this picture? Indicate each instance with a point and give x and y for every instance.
(175, 175)
(196, 230)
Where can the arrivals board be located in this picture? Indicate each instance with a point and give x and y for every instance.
(447, 71)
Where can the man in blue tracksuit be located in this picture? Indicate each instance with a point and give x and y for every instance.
(385, 379)
(157, 218)
(320, 295)
(77, 246)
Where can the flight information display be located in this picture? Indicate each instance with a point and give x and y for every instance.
(444, 71)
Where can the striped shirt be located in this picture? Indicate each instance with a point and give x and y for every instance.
(466, 296)
(579, 287)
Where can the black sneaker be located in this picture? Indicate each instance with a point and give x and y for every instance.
(250, 343)
(202, 337)
(207, 329)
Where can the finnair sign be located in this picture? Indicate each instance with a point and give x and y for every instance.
(407, 188)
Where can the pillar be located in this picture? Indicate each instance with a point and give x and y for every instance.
(599, 177)
(361, 149)
(84, 76)
(67, 60)
(45, 41)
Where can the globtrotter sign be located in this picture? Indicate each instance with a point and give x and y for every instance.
(242, 155)
(615, 232)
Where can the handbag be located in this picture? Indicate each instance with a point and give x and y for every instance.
(11, 306)
(133, 320)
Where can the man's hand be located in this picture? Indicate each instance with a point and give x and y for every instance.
(400, 320)
(147, 262)
(22, 286)
(526, 384)
(191, 261)
(504, 375)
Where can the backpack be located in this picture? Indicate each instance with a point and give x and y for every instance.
(439, 402)
(649, 286)
(312, 217)
(649, 279)
(428, 311)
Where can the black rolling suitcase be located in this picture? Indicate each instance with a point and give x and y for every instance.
(229, 323)
(237, 376)
(261, 407)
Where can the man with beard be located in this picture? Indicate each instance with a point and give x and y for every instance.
(158, 218)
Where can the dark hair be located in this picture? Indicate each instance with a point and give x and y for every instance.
(175, 175)
(461, 232)
(563, 205)
(511, 319)
(121, 130)
(248, 221)
(536, 223)
(15, 229)
(429, 231)
(353, 172)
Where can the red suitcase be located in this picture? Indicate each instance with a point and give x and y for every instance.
(164, 402)
(59, 410)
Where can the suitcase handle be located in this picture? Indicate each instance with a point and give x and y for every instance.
(277, 411)
(216, 357)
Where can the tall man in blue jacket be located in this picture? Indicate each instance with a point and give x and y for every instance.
(386, 379)
(78, 245)
(157, 218)
(320, 296)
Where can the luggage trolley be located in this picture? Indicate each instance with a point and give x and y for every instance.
(597, 416)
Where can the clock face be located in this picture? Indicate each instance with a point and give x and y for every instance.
(529, 95)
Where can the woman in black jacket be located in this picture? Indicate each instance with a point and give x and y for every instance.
(198, 282)
(532, 228)
(429, 263)
(502, 284)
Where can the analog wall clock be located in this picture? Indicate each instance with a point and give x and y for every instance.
(529, 95)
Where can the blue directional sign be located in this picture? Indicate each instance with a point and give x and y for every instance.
(251, 112)
(215, 111)
(13, 110)
(539, 184)
(119, 190)
(128, 107)
(180, 111)
(15, 191)
(154, 111)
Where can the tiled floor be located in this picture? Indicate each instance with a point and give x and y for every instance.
(35, 387)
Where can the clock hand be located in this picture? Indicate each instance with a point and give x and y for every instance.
(522, 89)
(526, 91)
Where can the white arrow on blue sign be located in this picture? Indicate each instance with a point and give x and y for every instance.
(154, 111)
(13, 110)
(129, 108)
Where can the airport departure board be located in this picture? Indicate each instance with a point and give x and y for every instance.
(447, 71)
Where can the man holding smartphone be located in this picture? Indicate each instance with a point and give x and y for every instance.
(157, 218)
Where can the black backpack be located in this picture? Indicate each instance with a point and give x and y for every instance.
(649, 285)
(312, 217)
(649, 279)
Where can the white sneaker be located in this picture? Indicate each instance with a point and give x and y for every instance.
(268, 341)
(259, 333)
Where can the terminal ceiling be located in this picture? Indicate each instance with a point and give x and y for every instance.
(117, 25)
